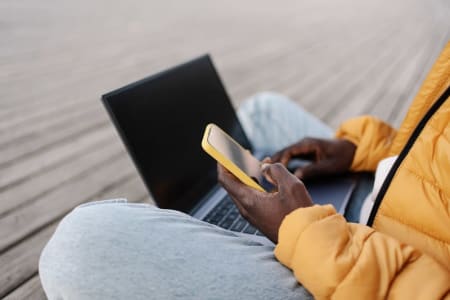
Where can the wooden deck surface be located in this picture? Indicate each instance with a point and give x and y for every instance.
(58, 148)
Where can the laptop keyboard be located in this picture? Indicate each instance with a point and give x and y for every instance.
(226, 215)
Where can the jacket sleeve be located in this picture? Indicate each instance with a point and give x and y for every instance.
(372, 137)
(334, 259)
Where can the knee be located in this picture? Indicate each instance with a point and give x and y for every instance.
(89, 223)
(266, 104)
(79, 240)
(267, 101)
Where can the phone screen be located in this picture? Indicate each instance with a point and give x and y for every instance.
(234, 152)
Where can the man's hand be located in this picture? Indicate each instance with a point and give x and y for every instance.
(328, 156)
(266, 211)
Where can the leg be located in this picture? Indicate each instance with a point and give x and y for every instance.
(112, 250)
(272, 122)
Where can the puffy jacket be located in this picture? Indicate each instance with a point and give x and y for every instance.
(405, 253)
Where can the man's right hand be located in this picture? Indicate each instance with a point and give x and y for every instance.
(328, 156)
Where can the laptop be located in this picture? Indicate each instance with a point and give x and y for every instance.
(161, 120)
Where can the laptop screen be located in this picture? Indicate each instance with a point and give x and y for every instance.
(161, 120)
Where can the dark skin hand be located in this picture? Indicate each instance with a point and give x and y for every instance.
(263, 210)
(328, 157)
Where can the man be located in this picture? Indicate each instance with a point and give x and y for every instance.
(118, 250)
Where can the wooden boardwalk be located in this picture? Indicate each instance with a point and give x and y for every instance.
(58, 148)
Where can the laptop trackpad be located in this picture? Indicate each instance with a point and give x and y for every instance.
(331, 190)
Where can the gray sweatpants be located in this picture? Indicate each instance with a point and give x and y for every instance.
(115, 250)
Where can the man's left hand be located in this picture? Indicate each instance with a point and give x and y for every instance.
(266, 211)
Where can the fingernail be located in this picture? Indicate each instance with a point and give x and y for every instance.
(298, 174)
(266, 159)
(264, 166)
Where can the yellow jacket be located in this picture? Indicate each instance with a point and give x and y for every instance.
(405, 254)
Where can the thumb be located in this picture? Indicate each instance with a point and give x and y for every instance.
(278, 174)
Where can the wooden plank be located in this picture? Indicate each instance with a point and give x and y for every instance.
(43, 125)
(49, 100)
(59, 154)
(335, 72)
(399, 87)
(20, 263)
(262, 75)
(46, 181)
(299, 57)
(9, 122)
(350, 78)
(43, 139)
(296, 71)
(365, 88)
(31, 289)
(418, 75)
(47, 97)
(387, 82)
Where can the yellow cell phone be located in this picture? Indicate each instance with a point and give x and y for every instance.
(239, 161)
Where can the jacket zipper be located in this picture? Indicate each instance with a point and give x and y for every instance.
(404, 153)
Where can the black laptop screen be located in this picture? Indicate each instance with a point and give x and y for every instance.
(161, 120)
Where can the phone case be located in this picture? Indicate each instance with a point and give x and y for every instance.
(224, 161)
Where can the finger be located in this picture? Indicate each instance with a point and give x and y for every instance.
(228, 180)
(283, 156)
(279, 175)
(286, 157)
(221, 170)
(236, 189)
(314, 170)
(306, 147)
(264, 166)
(276, 157)
(266, 160)
(241, 208)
